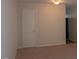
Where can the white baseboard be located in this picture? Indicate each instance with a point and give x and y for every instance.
(55, 44)
(43, 45)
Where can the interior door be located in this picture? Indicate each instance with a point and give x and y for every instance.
(28, 28)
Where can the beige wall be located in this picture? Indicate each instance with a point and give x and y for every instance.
(51, 24)
(8, 29)
(50, 21)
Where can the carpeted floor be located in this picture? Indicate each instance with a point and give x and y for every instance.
(68, 51)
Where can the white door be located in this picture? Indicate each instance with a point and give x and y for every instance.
(28, 28)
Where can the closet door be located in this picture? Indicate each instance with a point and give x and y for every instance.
(28, 28)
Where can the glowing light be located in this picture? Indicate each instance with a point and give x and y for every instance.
(57, 1)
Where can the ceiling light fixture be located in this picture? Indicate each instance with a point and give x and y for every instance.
(57, 1)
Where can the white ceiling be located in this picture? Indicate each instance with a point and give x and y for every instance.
(69, 2)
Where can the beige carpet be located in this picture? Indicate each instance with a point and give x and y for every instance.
(52, 52)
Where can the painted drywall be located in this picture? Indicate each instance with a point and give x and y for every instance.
(71, 2)
(8, 29)
(19, 23)
(68, 10)
(50, 23)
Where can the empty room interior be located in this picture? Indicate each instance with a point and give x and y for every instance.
(38, 29)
